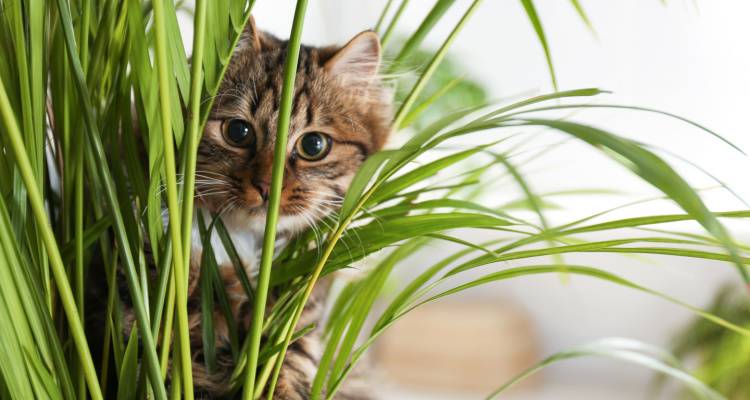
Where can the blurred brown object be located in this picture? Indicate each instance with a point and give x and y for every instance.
(459, 346)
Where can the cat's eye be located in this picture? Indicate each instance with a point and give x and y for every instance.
(238, 132)
(313, 146)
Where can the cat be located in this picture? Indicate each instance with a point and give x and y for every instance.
(341, 114)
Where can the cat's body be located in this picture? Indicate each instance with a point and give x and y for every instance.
(341, 115)
(300, 364)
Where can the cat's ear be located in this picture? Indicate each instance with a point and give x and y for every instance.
(251, 38)
(358, 58)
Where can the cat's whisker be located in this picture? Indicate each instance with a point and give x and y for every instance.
(213, 190)
(215, 178)
(323, 192)
(310, 222)
(233, 205)
(210, 174)
(327, 212)
(211, 185)
(330, 212)
(327, 196)
(323, 221)
(226, 206)
(343, 242)
(211, 182)
(203, 196)
(207, 173)
(367, 211)
(330, 203)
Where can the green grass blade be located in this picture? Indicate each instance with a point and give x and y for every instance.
(98, 151)
(367, 171)
(530, 9)
(50, 243)
(279, 162)
(605, 246)
(416, 39)
(128, 379)
(432, 66)
(635, 108)
(178, 265)
(193, 136)
(383, 14)
(43, 379)
(231, 251)
(656, 172)
(386, 37)
(582, 14)
(206, 284)
(643, 221)
(395, 185)
(626, 350)
(586, 271)
(361, 308)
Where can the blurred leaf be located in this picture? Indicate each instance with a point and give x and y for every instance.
(128, 380)
(528, 5)
(627, 350)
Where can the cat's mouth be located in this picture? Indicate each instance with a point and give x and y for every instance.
(293, 218)
(300, 208)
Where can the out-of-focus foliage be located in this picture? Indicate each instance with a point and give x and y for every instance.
(450, 88)
(722, 357)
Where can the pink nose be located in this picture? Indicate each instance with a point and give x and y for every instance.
(262, 187)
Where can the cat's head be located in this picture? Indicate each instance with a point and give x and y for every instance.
(341, 114)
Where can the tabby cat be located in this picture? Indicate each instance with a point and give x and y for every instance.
(341, 114)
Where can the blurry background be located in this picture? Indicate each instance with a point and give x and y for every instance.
(687, 57)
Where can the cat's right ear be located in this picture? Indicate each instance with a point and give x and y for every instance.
(360, 58)
(251, 38)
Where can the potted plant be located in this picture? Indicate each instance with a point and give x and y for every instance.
(78, 78)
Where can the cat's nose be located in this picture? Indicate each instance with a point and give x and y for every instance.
(262, 187)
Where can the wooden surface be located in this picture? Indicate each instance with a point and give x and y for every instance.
(458, 346)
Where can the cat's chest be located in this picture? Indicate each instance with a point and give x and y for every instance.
(245, 241)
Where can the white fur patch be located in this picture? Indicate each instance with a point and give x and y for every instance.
(247, 238)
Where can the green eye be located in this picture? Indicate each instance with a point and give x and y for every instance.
(313, 146)
(238, 132)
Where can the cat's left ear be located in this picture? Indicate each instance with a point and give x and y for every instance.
(251, 38)
(358, 58)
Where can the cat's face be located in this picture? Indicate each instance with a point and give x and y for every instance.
(341, 114)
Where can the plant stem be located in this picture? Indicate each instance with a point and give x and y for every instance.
(168, 322)
(193, 137)
(436, 59)
(48, 237)
(279, 163)
(383, 13)
(78, 188)
(183, 329)
(432, 18)
(392, 26)
(271, 362)
(79, 278)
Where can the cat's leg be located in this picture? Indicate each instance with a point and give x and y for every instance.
(299, 369)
